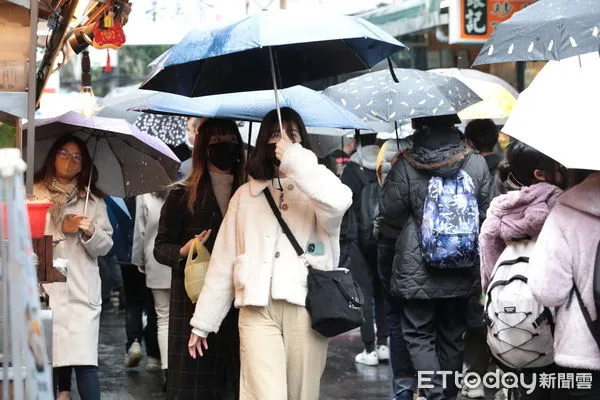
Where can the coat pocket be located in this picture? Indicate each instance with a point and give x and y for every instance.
(94, 286)
(240, 271)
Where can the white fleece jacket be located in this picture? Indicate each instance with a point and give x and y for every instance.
(252, 259)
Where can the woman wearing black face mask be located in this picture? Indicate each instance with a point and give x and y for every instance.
(254, 263)
(195, 207)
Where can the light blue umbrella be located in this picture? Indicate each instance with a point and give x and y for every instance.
(316, 109)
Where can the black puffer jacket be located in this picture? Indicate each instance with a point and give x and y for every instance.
(436, 152)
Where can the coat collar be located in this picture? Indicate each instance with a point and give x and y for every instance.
(257, 187)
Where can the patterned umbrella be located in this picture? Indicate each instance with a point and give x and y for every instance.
(499, 97)
(379, 101)
(546, 30)
(116, 104)
(171, 129)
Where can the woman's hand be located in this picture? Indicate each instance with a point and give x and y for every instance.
(195, 344)
(86, 224)
(283, 145)
(202, 237)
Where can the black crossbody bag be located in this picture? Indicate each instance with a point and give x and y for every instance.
(334, 301)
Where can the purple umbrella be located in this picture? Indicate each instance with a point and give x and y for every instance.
(129, 162)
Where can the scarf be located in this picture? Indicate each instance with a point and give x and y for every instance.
(60, 196)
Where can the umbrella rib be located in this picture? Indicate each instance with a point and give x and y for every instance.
(356, 54)
(110, 146)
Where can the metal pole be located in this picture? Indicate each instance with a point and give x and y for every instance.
(275, 88)
(89, 186)
(31, 95)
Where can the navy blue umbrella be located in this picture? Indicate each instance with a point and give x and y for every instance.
(316, 109)
(269, 49)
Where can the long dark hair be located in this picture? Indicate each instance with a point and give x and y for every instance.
(48, 171)
(197, 183)
(520, 163)
(260, 166)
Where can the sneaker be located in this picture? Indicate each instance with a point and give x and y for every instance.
(153, 365)
(65, 395)
(383, 352)
(367, 358)
(134, 355)
(473, 393)
(404, 395)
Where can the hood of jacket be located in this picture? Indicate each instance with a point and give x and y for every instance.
(438, 150)
(584, 197)
(369, 157)
(522, 212)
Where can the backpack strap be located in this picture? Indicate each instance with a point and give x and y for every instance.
(592, 325)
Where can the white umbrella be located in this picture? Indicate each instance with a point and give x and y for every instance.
(558, 113)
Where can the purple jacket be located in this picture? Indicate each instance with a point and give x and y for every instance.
(510, 215)
(565, 253)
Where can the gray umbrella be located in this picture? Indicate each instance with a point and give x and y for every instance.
(129, 162)
(546, 30)
(381, 102)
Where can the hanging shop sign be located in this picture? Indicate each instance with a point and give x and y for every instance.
(473, 21)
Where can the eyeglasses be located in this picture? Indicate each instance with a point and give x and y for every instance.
(65, 155)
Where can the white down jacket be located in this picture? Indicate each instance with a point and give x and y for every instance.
(252, 259)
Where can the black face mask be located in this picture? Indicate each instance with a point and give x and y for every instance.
(223, 155)
(271, 154)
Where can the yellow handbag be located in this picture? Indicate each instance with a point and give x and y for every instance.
(195, 270)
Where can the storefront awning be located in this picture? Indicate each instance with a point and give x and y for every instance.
(406, 17)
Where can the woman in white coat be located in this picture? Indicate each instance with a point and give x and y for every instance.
(80, 239)
(252, 262)
(158, 276)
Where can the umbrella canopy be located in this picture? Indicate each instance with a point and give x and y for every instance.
(381, 102)
(129, 162)
(316, 109)
(236, 58)
(498, 96)
(116, 104)
(558, 113)
(545, 30)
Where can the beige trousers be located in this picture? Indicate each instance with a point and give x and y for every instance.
(162, 301)
(281, 356)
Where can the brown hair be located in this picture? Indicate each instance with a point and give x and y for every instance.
(197, 183)
(260, 166)
(48, 171)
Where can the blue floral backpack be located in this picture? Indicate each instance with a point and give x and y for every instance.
(450, 228)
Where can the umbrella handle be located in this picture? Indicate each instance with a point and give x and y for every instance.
(89, 186)
(272, 62)
(394, 77)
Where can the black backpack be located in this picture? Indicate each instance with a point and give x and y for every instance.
(367, 209)
(594, 326)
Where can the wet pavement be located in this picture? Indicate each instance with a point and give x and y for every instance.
(342, 380)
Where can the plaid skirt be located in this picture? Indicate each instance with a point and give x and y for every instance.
(216, 375)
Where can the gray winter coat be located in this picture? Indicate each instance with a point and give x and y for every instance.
(436, 152)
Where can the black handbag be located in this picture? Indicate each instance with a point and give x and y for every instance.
(334, 301)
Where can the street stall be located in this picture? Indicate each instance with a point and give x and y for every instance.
(36, 39)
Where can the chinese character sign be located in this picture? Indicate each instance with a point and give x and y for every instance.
(473, 21)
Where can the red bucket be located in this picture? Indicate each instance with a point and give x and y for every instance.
(37, 219)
